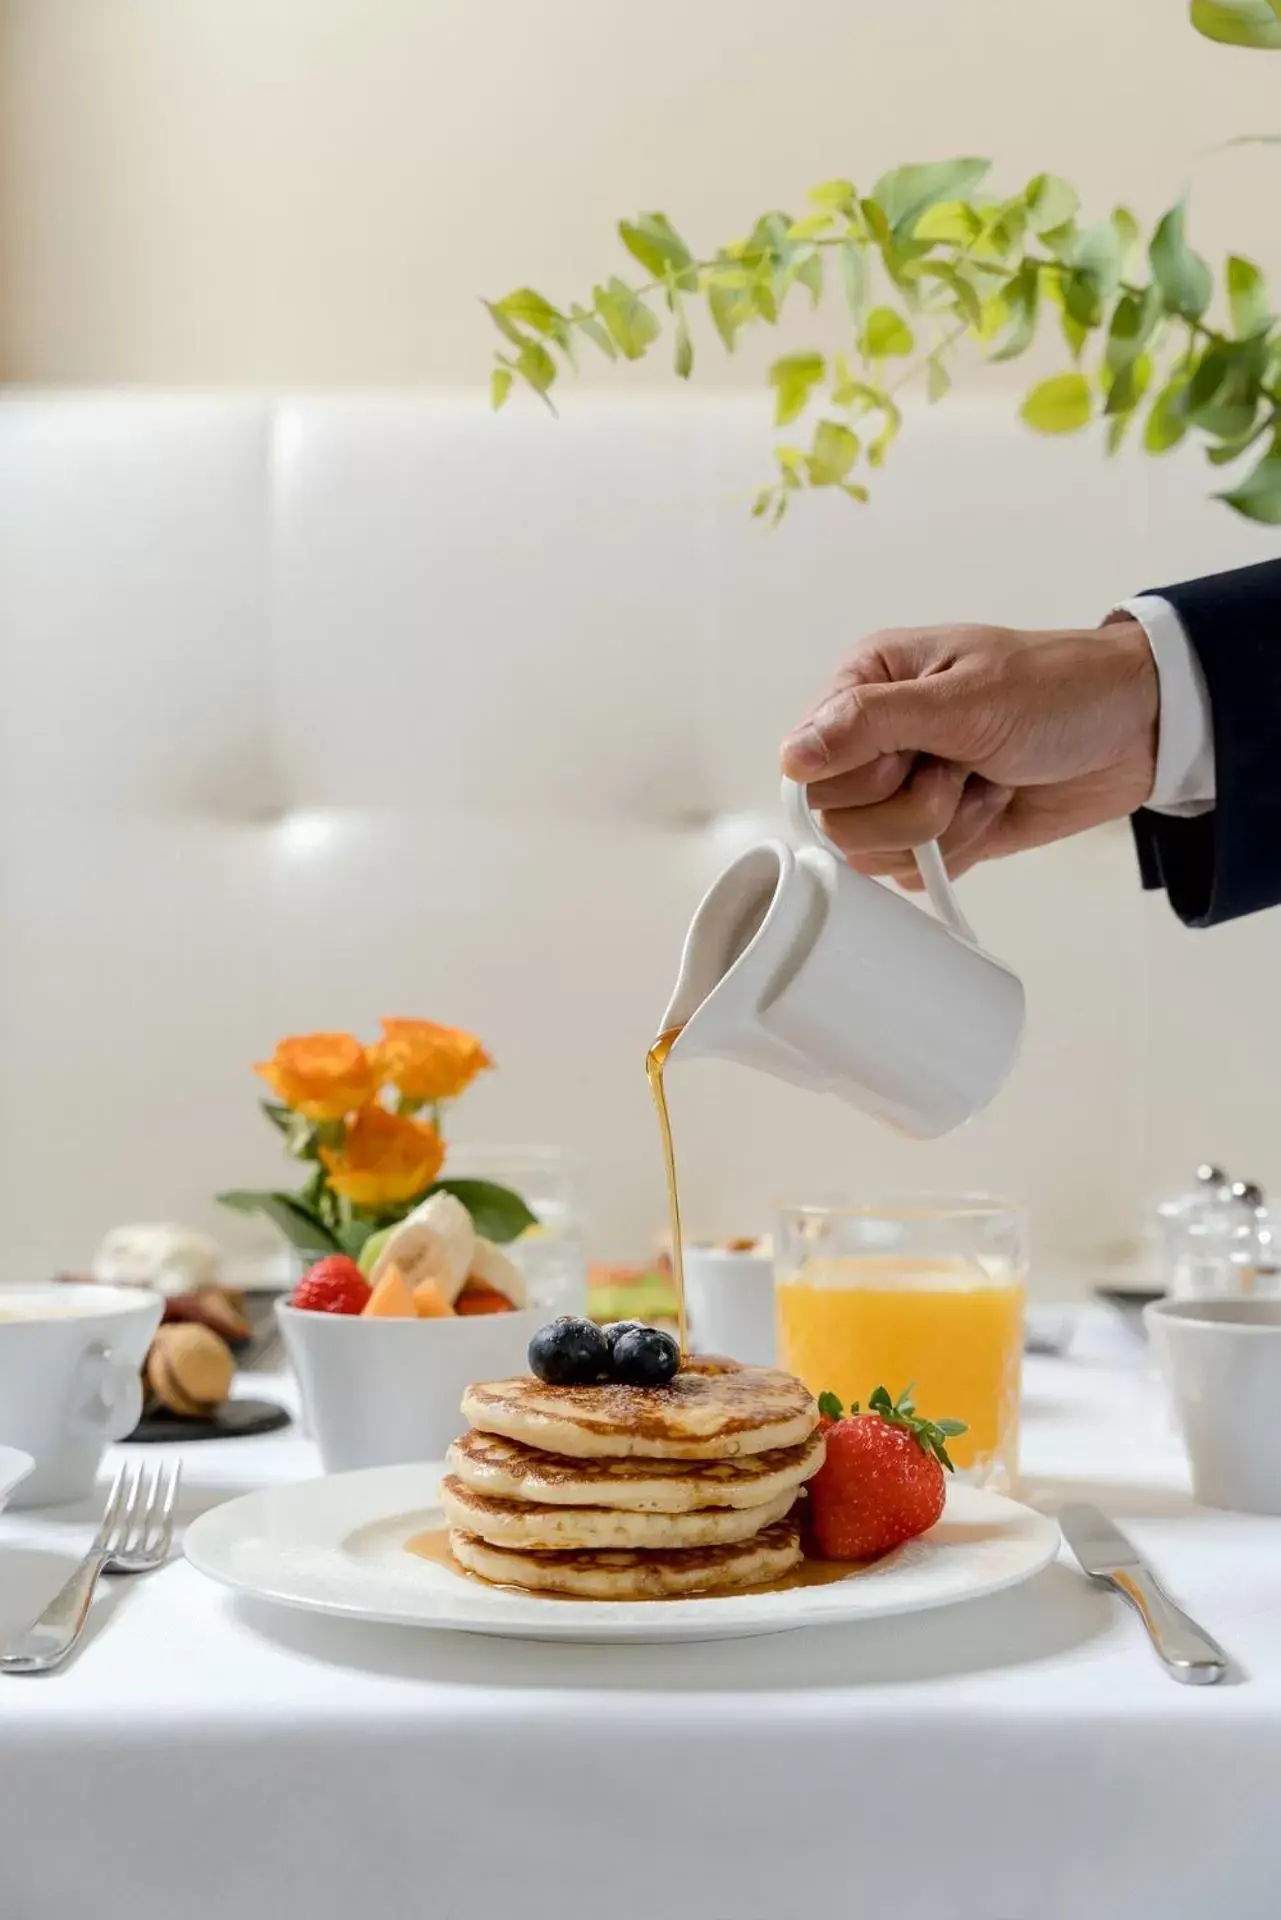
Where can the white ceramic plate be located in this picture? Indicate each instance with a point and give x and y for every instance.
(338, 1546)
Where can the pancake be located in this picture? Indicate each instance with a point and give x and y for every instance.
(696, 1416)
(505, 1469)
(642, 1575)
(520, 1523)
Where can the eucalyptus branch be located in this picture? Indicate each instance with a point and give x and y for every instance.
(928, 247)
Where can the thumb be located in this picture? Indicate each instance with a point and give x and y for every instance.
(858, 724)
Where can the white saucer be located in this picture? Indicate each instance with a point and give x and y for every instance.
(337, 1546)
(14, 1468)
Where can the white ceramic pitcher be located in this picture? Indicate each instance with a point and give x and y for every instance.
(821, 976)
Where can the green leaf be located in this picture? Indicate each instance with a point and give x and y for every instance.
(728, 311)
(1238, 23)
(1074, 333)
(526, 308)
(535, 366)
(794, 378)
(812, 225)
(853, 268)
(807, 268)
(631, 325)
(1129, 385)
(878, 225)
(1133, 324)
(500, 385)
(588, 324)
(1127, 229)
(937, 378)
(841, 194)
(300, 1226)
(904, 194)
(652, 239)
(886, 334)
(352, 1237)
(1181, 274)
(280, 1116)
(497, 1213)
(968, 305)
(1247, 297)
(684, 345)
(1051, 202)
(951, 1429)
(1022, 296)
(764, 297)
(1258, 496)
(1167, 423)
(1059, 405)
(1096, 259)
(829, 1406)
(952, 221)
(833, 453)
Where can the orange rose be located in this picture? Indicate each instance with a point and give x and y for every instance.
(386, 1158)
(322, 1075)
(427, 1062)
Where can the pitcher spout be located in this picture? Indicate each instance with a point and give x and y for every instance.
(752, 928)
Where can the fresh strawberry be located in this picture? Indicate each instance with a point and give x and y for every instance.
(882, 1481)
(334, 1285)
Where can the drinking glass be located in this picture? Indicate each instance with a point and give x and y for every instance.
(552, 1255)
(922, 1290)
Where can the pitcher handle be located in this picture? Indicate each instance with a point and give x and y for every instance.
(929, 862)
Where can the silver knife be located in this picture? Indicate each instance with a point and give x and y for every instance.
(1110, 1560)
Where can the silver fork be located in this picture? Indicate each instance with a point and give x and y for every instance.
(135, 1536)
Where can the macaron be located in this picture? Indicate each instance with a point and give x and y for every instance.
(189, 1369)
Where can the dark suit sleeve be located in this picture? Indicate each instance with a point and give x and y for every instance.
(1228, 862)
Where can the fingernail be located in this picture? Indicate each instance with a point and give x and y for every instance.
(804, 752)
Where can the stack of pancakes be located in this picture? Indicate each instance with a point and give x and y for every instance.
(633, 1493)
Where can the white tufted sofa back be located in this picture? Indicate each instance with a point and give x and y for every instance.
(312, 710)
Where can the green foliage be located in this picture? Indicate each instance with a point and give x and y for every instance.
(1060, 405)
(1238, 23)
(931, 262)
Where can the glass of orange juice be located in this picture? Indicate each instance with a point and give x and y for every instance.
(923, 1290)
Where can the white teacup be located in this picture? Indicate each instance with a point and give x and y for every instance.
(70, 1379)
(1222, 1364)
(729, 1296)
(378, 1392)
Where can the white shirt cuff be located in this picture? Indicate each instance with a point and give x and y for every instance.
(1184, 784)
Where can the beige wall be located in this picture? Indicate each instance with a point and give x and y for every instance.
(310, 191)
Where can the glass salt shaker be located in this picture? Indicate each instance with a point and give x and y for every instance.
(1175, 1217)
(1258, 1261)
(1219, 1250)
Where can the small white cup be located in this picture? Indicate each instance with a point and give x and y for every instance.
(730, 1299)
(1221, 1360)
(379, 1392)
(70, 1379)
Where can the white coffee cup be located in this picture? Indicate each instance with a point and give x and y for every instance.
(799, 966)
(378, 1392)
(1221, 1360)
(70, 1379)
(729, 1296)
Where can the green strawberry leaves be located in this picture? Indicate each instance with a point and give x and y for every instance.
(932, 1435)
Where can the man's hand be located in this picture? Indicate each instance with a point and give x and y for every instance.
(986, 740)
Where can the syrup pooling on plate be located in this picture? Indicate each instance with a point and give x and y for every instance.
(655, 1061)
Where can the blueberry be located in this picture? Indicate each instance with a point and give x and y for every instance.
(569, 1353)
(645, 1357)
(616, 1328)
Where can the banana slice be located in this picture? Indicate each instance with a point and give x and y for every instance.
(419, 1253)
(435, 1242)
(491, 1264)
(449, 1219)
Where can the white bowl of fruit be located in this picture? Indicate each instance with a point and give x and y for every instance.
(382, 1359)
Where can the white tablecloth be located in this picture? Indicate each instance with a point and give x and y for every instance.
(1020, 1758)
